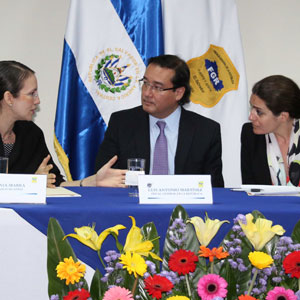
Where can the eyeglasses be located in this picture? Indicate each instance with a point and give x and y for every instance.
(33, 94)
(154, 88)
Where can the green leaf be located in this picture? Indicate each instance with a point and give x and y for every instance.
(58, 249)
(98, 287)
(257, 214)
(296, 233)
(118, 244)
(229, 274)
(142, 292)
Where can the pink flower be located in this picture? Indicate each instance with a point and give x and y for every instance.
(117, 293)
(281, 293)
(211, 286)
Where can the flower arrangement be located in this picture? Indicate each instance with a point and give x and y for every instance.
(254, 261)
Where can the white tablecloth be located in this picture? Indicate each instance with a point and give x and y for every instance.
(23, 259)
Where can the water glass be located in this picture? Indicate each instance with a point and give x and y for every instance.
(3, 164)
(137, 167)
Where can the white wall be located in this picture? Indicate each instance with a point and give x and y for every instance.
(32, 32)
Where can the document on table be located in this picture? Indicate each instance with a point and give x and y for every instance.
(269, 190)
(60, 192)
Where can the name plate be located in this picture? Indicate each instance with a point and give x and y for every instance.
(23, 188)
(175, 189)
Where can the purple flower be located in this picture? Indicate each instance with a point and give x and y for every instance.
(256, 291)
(237, 241)
(151, 266)
(233, 264)
(242, 268)
(262, 281)
(277, 256)
(107, 259)
(285, 240)
(119, 280)
(298, 295)
(277, 279)
(109, 270)
(228, 244)
(236, 228)
(119, 266)
(104, 278)
(54, 297)
(241, 218)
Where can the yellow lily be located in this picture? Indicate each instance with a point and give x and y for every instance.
(89, 237)
(260, 232)
(206, 230)
(135, 244)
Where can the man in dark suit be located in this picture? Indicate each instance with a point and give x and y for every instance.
(193, 141)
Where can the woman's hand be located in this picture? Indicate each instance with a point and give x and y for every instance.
(109, 177)
(44, 169)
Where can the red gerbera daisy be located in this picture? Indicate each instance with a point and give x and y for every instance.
(291, 264)
(156, 285)
(78, 295)
(183, 261)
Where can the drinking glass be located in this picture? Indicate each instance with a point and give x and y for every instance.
(3, 164)
(136, 166)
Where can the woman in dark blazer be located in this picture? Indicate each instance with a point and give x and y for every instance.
(270, 145)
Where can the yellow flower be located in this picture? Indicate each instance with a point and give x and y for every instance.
(260, 232)
(260, 260)
(89, 237)
(178, 298)
(206, 230)
(134, 263)
(135, 244)
(70, 270)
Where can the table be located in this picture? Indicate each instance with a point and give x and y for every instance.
(110, 206)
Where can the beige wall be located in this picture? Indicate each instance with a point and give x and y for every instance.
(32, 32)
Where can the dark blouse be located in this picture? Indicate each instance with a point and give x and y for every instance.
(29, 151)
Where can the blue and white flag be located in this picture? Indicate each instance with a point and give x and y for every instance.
(107, 44)
(206, 34)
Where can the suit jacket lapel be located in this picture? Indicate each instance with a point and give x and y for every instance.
(142, 137)
(186, 133)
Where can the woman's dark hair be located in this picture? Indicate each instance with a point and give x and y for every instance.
(281, 94)
(182, 73)
(12, 76)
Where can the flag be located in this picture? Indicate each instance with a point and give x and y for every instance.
(106, 46)
(206, 34)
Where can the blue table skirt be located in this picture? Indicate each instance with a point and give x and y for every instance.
(110, 206)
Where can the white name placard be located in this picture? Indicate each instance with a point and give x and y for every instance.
(175, 189)
(23, 188)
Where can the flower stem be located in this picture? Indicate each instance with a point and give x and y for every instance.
(212, 267)
(298, 283)
(103, 264)
(188, 285)
(134, 285)
(252, 282)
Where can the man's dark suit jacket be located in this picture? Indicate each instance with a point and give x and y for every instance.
(198, 150)
(254, 162)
